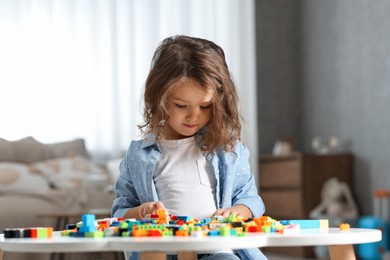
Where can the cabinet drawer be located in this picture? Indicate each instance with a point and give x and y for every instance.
(280, 174)
(283, 204)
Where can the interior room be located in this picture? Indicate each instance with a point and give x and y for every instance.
(313, 82)
(322, 72)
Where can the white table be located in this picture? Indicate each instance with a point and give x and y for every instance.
(339, 242)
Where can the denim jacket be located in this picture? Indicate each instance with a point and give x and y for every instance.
(235, 182)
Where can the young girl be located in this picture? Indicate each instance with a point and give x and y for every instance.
(190, 160)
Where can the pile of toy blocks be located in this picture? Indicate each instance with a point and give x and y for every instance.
(35, 232)
(163, 224)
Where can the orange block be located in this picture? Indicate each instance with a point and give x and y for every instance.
(139, 232)
(103, 225)
(344, 226)
(182, 233)
(49, 232)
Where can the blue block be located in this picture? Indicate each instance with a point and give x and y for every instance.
(206, 220)
(307, 223)
(88, 223)
(213, 232)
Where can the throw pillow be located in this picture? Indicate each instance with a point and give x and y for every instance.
(29, 150)
(7, 151)
(67, 149)
(69, 172)
(19, 178)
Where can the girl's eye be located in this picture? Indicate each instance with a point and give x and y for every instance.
(205, 107)
(180, 106)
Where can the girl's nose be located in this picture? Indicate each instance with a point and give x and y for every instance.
(192, 113)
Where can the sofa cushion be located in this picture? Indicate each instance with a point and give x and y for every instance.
(29, 150)
(19, 178)
(26, 150)
(70, 174)
(67, 172)
(7, 151)
(71, 148)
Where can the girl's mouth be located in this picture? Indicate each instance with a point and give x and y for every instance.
(189, 126)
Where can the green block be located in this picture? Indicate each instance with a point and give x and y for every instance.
(123, 225)
(161, 226)
(95, 234)
(42, 232)
(266, 229)
(168, 233)
(224, 231)
(231, 218)
(197, 228)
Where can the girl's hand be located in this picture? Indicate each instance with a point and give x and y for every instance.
(237, 210)
(225, 212)
(149, 208)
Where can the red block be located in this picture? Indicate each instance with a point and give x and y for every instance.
(254, 229)
(33, 233)
(154, 233)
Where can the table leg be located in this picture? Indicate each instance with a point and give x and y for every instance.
(344, 252)
(153, 256)
(1, 254)
(60, 224)
(187, 255)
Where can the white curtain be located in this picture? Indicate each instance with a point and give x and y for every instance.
(76, 68)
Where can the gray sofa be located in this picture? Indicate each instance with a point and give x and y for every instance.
(37, 177)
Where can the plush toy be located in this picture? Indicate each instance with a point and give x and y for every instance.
(337, 201)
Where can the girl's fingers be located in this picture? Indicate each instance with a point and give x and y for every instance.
(150, 208)
(218, 212)
(158, 205)
(225, 212)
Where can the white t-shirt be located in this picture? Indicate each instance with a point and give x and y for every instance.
(185, 180)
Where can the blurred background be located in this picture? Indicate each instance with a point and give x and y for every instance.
(323, 70)
(76, 69)
(308, 72)
(304, 69)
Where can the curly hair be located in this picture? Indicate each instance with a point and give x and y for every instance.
(182, 57)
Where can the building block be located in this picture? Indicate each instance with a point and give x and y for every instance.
(213, 232)
(12, 233)
(88, 223)
(224, 231)
(162, 216)
(290, 229)
(308, 223)
(42, 232)
(182, 233)
(344, 226)
(95, 234)
(155, 233)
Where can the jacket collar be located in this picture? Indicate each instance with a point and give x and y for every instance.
(150, 140)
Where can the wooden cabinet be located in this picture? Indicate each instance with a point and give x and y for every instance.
(290, 186)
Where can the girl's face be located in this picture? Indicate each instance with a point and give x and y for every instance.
(189, 109)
